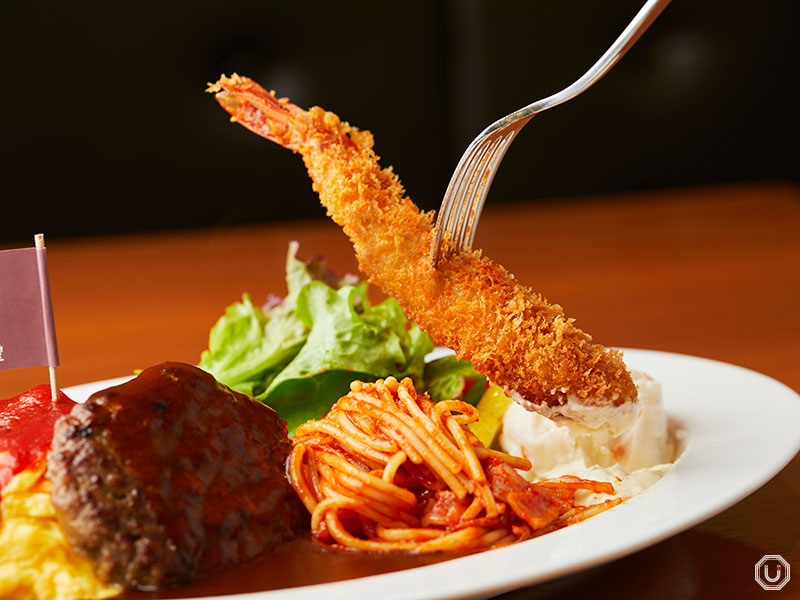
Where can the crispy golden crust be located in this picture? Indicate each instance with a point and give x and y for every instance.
(469, 303)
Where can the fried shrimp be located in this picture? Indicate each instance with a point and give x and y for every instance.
(469, 303)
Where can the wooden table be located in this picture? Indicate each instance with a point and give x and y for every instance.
(712, 272)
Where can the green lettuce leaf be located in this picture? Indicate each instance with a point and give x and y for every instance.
(450, 377)
(245, 347)
(301, 399)
(344, 344)
(299, 353)
(340, 337)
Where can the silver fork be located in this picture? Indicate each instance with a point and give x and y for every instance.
(469, 185)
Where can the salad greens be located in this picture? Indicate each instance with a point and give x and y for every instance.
(298, 354)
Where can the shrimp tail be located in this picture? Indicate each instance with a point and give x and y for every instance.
(258, 110)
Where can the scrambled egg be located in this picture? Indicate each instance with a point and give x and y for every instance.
(36, 563)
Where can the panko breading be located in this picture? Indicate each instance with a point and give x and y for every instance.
(36, 563)
(469, 303)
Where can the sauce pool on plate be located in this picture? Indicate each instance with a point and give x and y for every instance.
(293, 564)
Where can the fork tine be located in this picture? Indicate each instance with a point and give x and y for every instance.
(470, 182)
(479, 199)
(466, 194)
(457, 193)
(446, 211)
(446, 215)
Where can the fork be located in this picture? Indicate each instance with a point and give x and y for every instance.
(469, 185)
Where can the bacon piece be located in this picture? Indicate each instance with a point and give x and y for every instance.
(443, 510)
(538, 509)
(537, 506)
(566, 486)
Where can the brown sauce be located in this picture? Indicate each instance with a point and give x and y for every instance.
(292, 564)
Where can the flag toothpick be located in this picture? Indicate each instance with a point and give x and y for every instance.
(27, 326)
(54, 393)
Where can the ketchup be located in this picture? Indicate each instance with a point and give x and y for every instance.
(26, 428)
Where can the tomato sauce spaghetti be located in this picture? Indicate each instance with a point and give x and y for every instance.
(388, 470)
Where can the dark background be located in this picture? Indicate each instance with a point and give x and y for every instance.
(106, 127)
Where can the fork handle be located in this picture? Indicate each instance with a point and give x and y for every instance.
(643, 19)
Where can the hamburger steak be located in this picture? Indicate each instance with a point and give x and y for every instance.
(171, 476)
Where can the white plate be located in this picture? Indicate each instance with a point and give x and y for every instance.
(742, 428)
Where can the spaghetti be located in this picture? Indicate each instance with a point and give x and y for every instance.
(388, 470)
